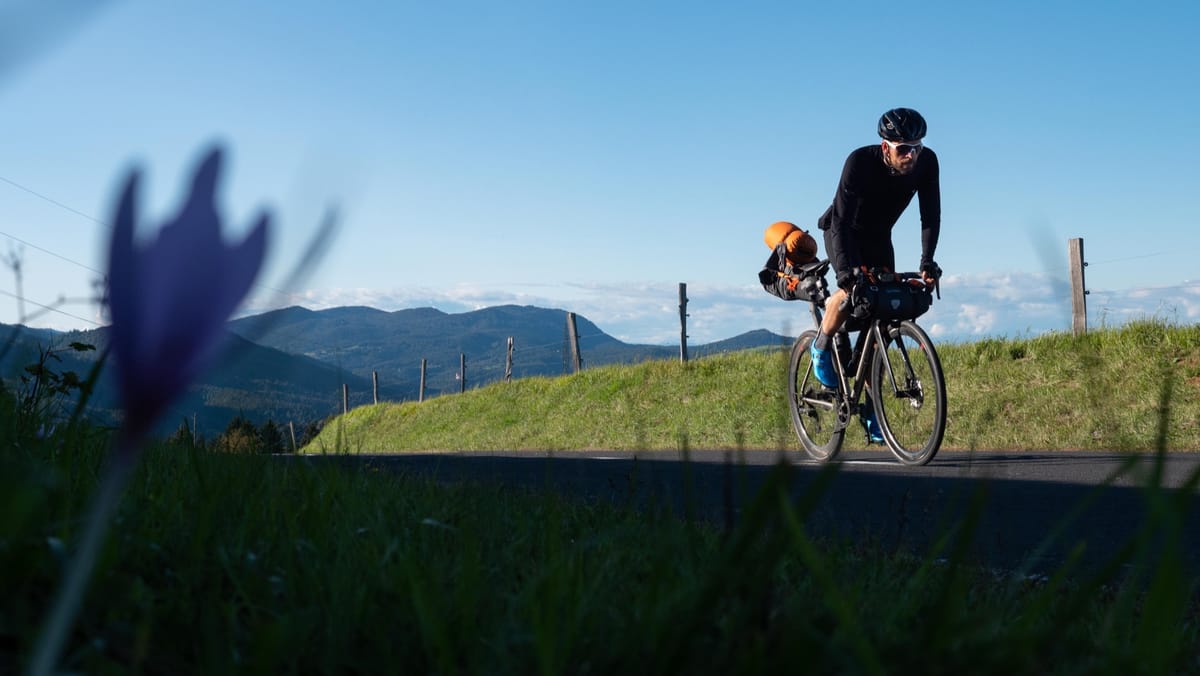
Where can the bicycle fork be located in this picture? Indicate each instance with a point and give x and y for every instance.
(911, 389)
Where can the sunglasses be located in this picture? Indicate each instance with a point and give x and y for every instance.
(903, 148)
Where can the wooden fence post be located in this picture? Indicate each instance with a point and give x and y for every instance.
(462, 372)
(421, 391)
(1078, 289)
(292, 429)
(375, 386)
(508, 361)
(683, 356)
(345, 398)
(573, 337)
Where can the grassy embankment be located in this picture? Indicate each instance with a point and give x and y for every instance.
(251, 564)
(1100, 392)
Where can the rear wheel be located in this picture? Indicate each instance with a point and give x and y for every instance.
(817, 414)
(909, 393)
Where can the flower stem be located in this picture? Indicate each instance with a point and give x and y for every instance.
(70, 594)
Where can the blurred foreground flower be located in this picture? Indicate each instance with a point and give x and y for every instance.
(169, 300)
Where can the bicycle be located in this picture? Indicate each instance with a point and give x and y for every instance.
(908, 390)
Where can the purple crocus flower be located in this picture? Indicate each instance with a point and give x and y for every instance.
(169, 298)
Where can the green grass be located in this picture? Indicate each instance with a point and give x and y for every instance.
(1055, 392)
(222, 563)
(250, 564)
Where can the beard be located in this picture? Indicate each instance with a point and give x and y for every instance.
(903, 167)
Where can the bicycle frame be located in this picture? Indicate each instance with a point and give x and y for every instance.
(911, 396)
(868, 341)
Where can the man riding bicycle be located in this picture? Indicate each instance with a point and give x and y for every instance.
(877, 184)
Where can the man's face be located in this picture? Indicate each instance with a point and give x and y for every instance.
(902, 156)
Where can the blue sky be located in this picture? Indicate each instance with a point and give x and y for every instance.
(592, 156)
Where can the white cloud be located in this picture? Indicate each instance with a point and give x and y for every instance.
(971, 306)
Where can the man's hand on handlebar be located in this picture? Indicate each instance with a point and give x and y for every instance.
(930, 272)
(846, 279)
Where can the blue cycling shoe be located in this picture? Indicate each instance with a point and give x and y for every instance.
(823, 366)
(867, 416)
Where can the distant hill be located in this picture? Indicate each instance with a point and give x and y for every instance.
(259, 383)
(745, 341)
(364, 340)
(289, 365)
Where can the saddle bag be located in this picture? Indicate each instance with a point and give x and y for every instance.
(778, 279)
(790, 247)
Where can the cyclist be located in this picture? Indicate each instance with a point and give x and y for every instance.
(876, 186)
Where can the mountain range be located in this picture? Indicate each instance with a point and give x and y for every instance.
(290, 365)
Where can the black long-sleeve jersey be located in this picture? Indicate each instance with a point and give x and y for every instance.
(870, 198)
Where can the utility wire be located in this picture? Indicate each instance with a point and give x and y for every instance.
(527, 349)
(956, 286)
(1173, 287)
(1130, 258)
(61, 206)
(77, 212)
(50, 308)
(47, 251)
(55, 202)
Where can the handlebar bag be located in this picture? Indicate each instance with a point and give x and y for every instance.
(891, 300)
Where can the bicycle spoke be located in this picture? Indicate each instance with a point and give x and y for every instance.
(911, 395)
(814, 409)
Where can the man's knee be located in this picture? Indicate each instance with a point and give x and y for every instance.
(833, 304)
(834, 315)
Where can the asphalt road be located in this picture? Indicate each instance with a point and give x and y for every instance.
(1028, 499)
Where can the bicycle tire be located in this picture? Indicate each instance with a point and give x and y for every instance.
(815, 408)
(911, 408)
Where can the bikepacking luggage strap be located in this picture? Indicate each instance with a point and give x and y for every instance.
(778, 278)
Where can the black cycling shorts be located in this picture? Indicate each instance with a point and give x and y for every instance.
(873, 253)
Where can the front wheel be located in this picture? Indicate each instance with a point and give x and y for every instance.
(909, 393)
(817, 413)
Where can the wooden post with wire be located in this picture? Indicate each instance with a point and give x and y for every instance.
(508, 361)
(421, 390)
(375, 386)
(1078, 289)
(462, 372)
(683, 356)
(573, 338)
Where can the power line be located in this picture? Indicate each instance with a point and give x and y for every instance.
(50, 308)
(1130, 258)
(959, 286)
(55, 202)
(77, 212)
(47, 251)
(1173, 287)
(61, 206)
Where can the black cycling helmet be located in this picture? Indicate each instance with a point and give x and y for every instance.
(902, 124)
